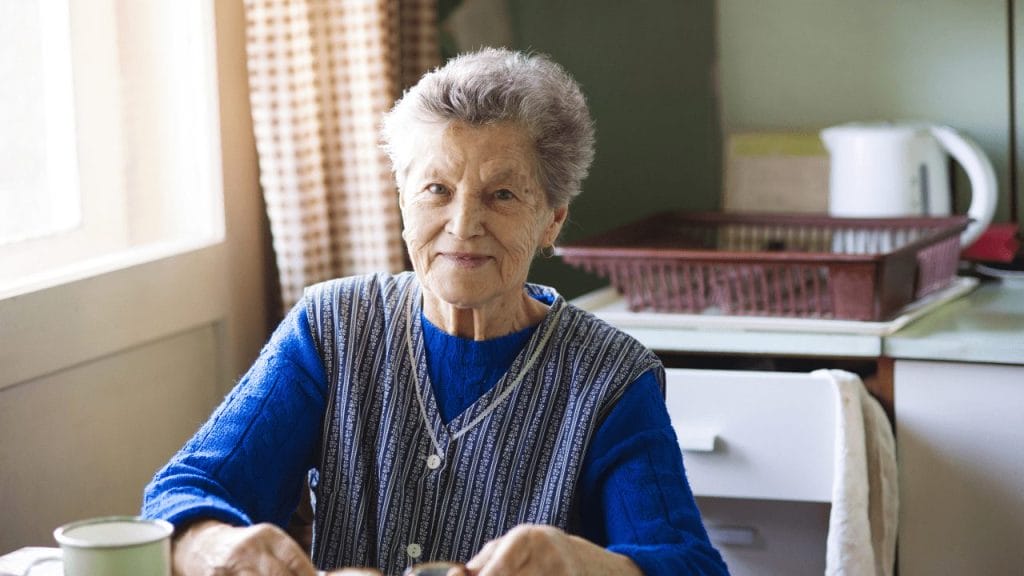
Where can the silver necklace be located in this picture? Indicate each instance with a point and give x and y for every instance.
(544, 337)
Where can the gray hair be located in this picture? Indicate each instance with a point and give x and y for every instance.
(499, 85)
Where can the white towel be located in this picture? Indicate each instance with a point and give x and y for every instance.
(864, 518)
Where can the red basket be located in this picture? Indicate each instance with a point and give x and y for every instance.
(774, 265)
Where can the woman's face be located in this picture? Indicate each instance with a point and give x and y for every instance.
(475, 214)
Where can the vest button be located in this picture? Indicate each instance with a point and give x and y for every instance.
(414, 550)
(433, 462)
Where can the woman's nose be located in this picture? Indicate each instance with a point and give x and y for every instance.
(466, 217)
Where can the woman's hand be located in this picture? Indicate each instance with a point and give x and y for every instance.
(537, 549)
(211, 548)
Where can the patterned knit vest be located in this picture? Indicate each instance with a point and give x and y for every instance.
(396, 485)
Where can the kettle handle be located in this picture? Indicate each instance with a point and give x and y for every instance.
(984, 189)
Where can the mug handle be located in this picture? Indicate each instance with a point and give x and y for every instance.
(984, 189)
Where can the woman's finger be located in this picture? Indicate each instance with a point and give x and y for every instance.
(512, 554)
(483, 556)
(508, 555)
(271, 565)
(286, 551)
(528, 549)
(260, 550)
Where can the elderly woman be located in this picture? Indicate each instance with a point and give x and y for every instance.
(458, 412)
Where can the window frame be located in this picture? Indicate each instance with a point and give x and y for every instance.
(99, 306)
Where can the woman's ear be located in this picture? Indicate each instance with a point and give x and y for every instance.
(401, 197)
(555, 227)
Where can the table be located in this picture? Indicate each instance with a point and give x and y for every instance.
(20, 562)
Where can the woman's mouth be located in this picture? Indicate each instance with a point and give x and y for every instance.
(465, 259)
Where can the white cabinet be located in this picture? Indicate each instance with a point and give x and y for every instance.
(768, 537)
(758, 450)
(765, 435)
(957, 375)
(960, 432)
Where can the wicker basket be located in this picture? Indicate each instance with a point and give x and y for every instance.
(774, 265)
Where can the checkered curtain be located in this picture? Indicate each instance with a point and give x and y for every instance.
(321, 74)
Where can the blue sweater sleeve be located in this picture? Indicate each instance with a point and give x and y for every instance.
(248, 462)
(635, 497)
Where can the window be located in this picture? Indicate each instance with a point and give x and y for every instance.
(38, 170)
(110, 146)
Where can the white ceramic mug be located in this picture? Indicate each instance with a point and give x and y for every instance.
(116, 546)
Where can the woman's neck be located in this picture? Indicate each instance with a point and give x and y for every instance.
(492, 321)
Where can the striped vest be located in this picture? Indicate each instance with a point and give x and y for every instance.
(396, 485)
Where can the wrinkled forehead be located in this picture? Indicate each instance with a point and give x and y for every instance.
(495, 148)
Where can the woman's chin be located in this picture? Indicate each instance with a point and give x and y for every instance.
(463, 294)
(463, 298)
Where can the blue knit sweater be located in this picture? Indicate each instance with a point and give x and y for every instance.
(637, 500)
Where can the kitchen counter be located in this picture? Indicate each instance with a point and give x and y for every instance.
(987, 325)
(984, 325)
(980, 324)
(949, 379)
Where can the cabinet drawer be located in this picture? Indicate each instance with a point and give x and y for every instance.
(758, 537)
(766, 435)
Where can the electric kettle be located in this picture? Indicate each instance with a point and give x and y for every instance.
(890, 169)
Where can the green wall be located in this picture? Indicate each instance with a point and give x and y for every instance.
(667, 78)
(646, 68)
(808, 64)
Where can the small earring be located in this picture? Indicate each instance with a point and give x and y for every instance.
(547, 251)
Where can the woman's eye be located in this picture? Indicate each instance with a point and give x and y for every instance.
(436, 189)
(504, 194)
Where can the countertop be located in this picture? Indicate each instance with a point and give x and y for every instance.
(985, 325)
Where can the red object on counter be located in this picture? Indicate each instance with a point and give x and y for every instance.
(998, 243)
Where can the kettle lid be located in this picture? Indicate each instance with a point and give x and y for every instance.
(875, 130)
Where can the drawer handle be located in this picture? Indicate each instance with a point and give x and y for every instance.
(697, 440)
(732, 535)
